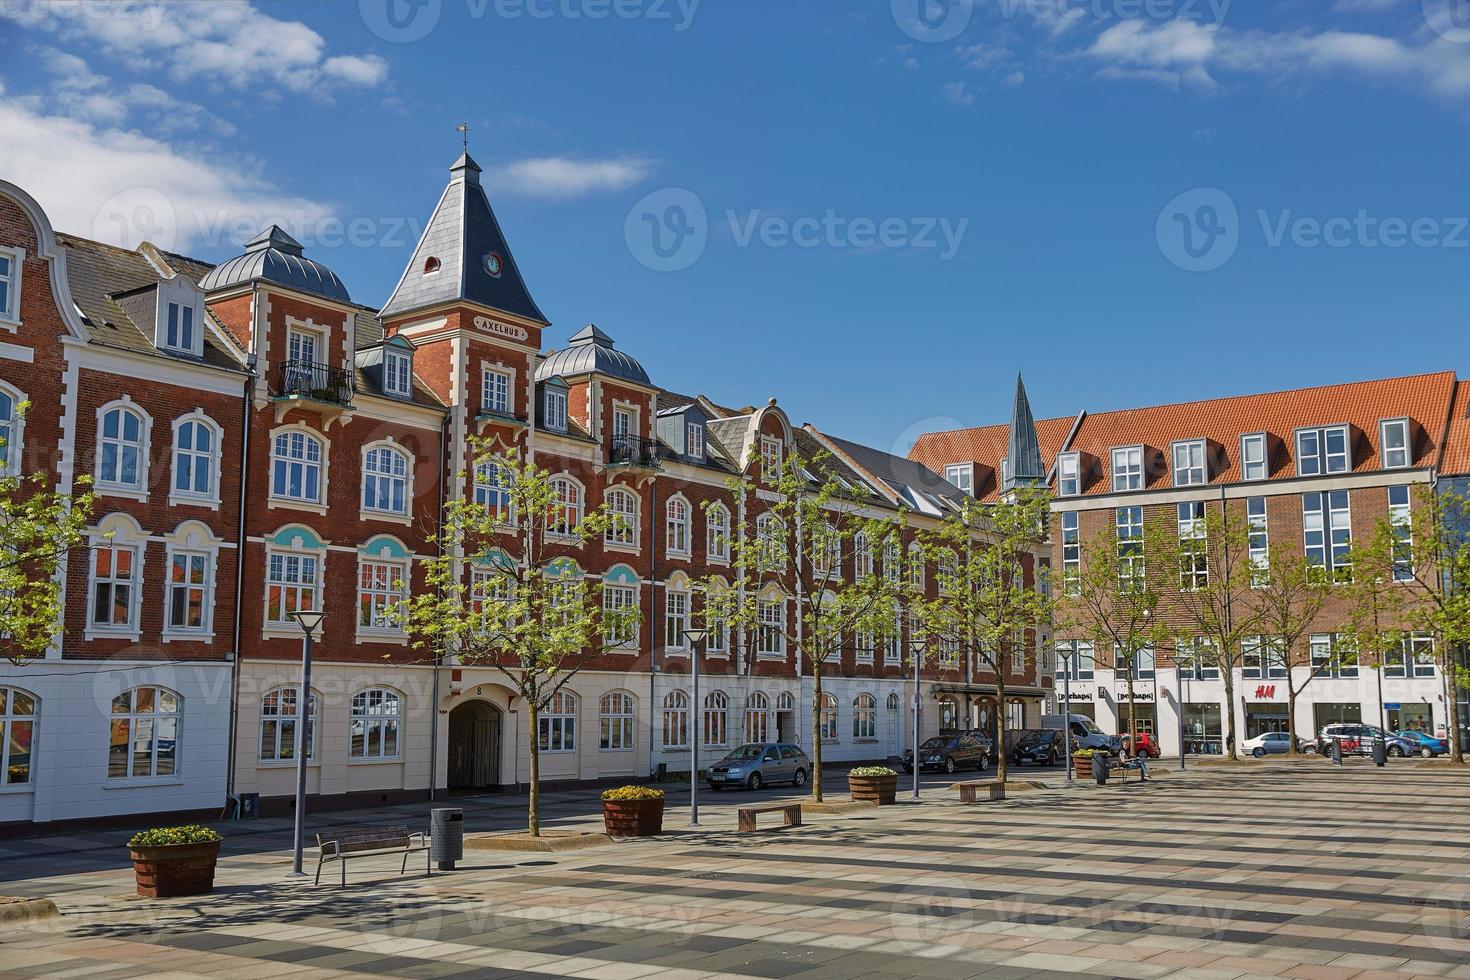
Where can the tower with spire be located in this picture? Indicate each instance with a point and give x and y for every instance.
(1024, 466)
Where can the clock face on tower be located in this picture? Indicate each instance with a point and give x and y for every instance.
(491, 262)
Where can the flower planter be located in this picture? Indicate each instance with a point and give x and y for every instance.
(873, 789)
(633, 818)
(1082, 767)
(172, 870)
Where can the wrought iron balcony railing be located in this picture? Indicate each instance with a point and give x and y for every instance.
(322, 382)
(633, 451)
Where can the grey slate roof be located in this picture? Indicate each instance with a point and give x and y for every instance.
(920, 487)
(97, 273)
(462, 233)
(274, 256)
(1023, 448)
(592, 350)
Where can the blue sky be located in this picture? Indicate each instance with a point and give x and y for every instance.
(895, 204)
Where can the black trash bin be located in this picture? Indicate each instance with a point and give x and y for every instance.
(1100, 767)
(1380, 752)
(249, 806)
(446, 841)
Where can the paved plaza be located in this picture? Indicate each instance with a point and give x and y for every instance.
(1277, 869)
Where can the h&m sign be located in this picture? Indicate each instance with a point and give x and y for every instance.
(1265, 692)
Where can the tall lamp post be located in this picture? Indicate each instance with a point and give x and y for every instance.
(310, 621)
(1071, 651)
(916, 650)
(1179, 702)
(1378, 656)
(695, 638)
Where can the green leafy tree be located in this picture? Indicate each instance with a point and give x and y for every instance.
(1376, 606)
(505, 591)
(1113, 601)
(37, 528)
(988, 599)
(818, 545)
(1288, 595)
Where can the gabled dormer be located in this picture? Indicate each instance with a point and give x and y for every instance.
(389, 366)
(179, 324)
(551, 405)
(684, 429)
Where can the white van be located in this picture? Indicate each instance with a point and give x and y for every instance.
(1085, 733)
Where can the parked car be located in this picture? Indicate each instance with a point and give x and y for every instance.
(1426, 745)
(1357, 739)
(949, 753)
(757, 764)
(1085, 733)
(1041, 747)
(1268, 743)
(1146, 745)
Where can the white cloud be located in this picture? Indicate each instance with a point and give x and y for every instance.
(959, 93)
(229, 42)
(562, 178)
(1172, 44)
(81, 93)
(121, 187)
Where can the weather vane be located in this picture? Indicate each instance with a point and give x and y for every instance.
(464, 130)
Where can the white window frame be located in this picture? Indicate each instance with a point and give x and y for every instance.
(617, 725)
(714, 723)
(397, 373)
(317, 504)
(1330, 520)
(191, 552)
(377, 594)
(492, 495)
(209, 497)
(1193, 469)
(770, 632)
(624, 533)
(1127, 469)
(1401, 526)
(10, 309)
(617, 596)
(678, 532)
(158, 721)
(677, 604)
(675, 717)
(1254, 469)
(557, 725)
(756, 724)
(717, 533)
(275, 714)
(397, 453)
(369, 714)
(772, 458)
(12, 431)
(554, 408)
(827, 727)
(694, 440)
(569, 507)
(864, 717)
(961, 476)
(130, 628)
(15, 718)
(308, 593)
(137, 490)
(1322, 458)
(1258, 539)
(1069, 475)
(1403, 456)
(191, 329)
(494, 381)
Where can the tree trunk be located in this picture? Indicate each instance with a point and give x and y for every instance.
(817, 732)
(1227, 717)
(1290, 715)
(1002, 764)
(1452, 715)
(533, 821)
(1132, 733)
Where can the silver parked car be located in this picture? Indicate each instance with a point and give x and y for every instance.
(756, 764)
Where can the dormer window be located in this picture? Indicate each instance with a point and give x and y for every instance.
(961, 476)
(1189, 463)
(771, 453)
(397, 374)
(554, 408)
(1395, 443)
(694, 440)
(431, 266)
(179, 328)
(1253, 465)
(1128, 468)
(1069, 475)
(1323, 450)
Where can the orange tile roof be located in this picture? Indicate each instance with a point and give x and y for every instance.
(1456, 460)
(1423, 398)
(985, 445)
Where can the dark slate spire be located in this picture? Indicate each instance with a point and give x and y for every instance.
(1024, 467)
(463, 255)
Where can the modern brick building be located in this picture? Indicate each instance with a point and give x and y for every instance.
(261, 444)
(1311, 470)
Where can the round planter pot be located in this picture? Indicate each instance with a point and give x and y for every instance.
(172, 870)
(1082, 768)
(633, 818)
(873, 789)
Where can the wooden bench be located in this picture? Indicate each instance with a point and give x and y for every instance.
(341, 845)
(995, 789)
(747, 814)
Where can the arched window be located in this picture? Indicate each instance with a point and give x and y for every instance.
(717, 532)
(916, 566)
(19, 709)
(490, 489)
(122, 458)
(757, 717)
(676, 720)
(566, 512)
(196, 452)
(827, 719)
(716, 718)
(865, 716)
(145, 734)
(786, 701)
(279, 711)
(620, 606)
(893, 701)
(677, 526)
(615, 713)
(862, 555)
(385, 481)
(557, 725)
(11, 424)
(677, 599)
(622, 509)
(296, 467)
(376, 717)
(949, 572)
(891, 566)
(770, 542)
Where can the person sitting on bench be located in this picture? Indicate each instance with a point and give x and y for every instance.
(1130, 761)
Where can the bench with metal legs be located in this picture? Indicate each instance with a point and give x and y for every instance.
(342, 845)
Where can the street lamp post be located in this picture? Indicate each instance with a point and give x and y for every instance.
(1378, 655)
(1071, 648)
(695, 638)
(309, 621)
(916, 650)
(1179, 703)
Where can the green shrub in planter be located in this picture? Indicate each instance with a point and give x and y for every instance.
(873, 771)
(633, 793)
(164, 836)
(174, 861)
(633, 811)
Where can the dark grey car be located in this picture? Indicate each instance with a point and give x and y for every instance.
(758, 764)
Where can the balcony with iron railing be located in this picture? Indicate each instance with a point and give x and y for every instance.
(310, 384)
(629, 450)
